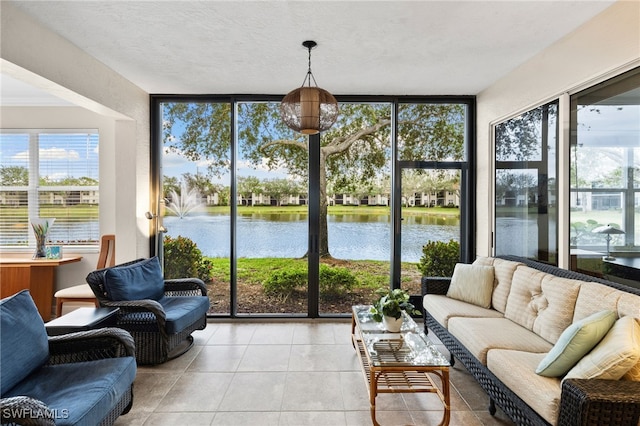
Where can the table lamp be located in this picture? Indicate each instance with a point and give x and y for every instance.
(608, 230)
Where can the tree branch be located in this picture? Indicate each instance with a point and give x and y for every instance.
(341, 144)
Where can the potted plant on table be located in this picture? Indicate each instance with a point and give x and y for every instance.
(389, 306)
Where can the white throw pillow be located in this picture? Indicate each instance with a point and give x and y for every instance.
(615, 355)
(472, 284)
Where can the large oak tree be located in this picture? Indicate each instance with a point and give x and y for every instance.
(354, 153)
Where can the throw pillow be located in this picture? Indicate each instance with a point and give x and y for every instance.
(574, 342)
(472, 284)
(138, 281)
(24, 346)
(616, 354)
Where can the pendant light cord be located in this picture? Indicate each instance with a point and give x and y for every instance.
(309, 75)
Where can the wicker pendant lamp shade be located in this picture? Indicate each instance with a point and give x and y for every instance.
(309, 109)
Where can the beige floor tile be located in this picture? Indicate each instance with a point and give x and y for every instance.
(316, 418)
(246, 419)
(323, 358)
(173, 419)
(201, 337)
(232, 334)
(196, 392)
(312, 391)
(273, 334)
(254, 392)
(314, 333)
(218, 358)
(265, 358)
(150, 387)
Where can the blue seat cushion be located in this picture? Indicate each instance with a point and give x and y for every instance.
(182, 311)
(80, 393)
(137, 281)
(24, 345)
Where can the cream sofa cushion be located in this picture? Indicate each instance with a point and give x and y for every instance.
(479, 335)
(556, 304)
(634, 373)
(515, 370)
(523, 301)
(542, 302)
(503, 274)
(441, 308)
(576, 341)
(595, 297)
(472, 284)
(628, 305)
(614, 356)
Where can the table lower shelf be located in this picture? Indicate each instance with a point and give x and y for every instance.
(398, 378)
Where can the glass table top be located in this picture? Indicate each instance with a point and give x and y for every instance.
(408, 347)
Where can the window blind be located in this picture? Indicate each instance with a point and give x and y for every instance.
(49, 174)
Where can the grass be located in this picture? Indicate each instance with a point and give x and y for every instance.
(370, 273)
(251, 273)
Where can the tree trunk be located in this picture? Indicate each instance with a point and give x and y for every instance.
(323, 244)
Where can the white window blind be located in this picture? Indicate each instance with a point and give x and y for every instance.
(49, 174)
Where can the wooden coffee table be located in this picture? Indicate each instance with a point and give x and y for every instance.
(405, 362)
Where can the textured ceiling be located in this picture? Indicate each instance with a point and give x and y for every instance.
(364, 47)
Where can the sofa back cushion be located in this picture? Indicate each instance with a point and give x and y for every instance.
(503, 274)
(24, 346)
(594, 297)
(137, 281)
(542, 302)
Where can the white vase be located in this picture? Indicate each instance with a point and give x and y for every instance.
(391, 324)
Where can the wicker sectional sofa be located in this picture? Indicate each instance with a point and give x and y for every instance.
(511, 335)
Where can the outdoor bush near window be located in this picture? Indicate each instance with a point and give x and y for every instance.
(49, 174)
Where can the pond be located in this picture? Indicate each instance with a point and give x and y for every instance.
(351, 236)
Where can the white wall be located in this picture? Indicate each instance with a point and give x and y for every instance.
(605, 46)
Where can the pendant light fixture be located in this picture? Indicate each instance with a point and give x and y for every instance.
(309, 109)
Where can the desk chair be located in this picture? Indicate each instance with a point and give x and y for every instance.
(82, 292)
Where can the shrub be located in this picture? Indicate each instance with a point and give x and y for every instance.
(439, 258)
(333, 281)
(336, 281)
(283, 282)
(183, 259)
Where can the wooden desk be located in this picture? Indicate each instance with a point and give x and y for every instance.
(35, 275)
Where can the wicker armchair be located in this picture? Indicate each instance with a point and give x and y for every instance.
(107, 349)
(161, 326)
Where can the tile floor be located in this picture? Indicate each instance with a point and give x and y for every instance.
(285, 373)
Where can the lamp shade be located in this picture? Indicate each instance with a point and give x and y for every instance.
(309, 110)
(608, 229)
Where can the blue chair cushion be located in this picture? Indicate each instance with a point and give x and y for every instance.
(101, 384)
(182, 311)
(24, 344)
(137, 281)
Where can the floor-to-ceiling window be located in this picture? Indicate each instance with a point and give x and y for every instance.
(605, 179)
(238, 184)
(526, 186)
